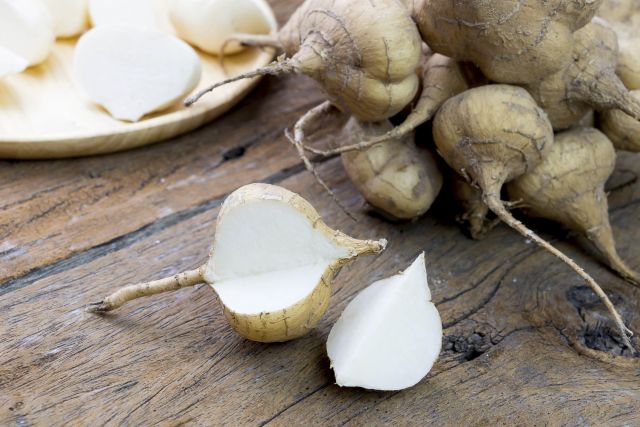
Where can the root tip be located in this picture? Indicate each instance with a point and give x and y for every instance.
(97, 307)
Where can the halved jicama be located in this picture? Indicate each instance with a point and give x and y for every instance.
(271, 264)
(26, 29)
(133, 72)
(70, 17)
(389, 336)
(10, 63)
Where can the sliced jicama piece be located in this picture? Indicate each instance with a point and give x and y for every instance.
(389, 336)
(26, 29)
(271, 264)
(10, 63)
(133, 72)
(70, 17)
(208, 24)
(134, 13)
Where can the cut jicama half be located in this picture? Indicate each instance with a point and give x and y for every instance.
(70, 17)
(26, 29)
(271, 264)
(10, 63)
(390, 334)
(132, 72)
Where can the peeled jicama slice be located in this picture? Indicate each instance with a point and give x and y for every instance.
(133, 72)
(10, 63)
(272, 262)
(26, 29)
(271, 265)
(142, 14)
(207, 24)
(70, 17)
(389, 336)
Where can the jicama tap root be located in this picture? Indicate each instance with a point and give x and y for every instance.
(475, 211)
(398, 179)
(590, 81)
(568, 187)
(494, 134)
(271, 265)
(368, 71)
(390, 334)
(622, 130)
(511, 42)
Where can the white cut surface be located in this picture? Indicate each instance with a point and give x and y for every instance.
(10, 63)
(70, 17)
(133, 72)
(207, 24)
(267, 256)
(142, 14)
(26, 29)
(390, 334)
(271, 291)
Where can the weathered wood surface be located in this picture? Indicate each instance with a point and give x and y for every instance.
(516, 321)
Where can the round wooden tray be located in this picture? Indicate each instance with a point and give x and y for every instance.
(43, 114)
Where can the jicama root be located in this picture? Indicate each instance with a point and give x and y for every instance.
(394, 310)
(475, 211)
(493, 134)
(368, 71)
(622, 130)
(628, 68)
(590, 81)
(512, 42)
(568, 187)
(271, 265)
(618, 10)
(398, 179)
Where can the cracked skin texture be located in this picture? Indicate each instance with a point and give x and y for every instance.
(364, 54)
(590, 80)
(511, 41)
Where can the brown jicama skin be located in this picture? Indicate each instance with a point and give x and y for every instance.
(628, 68)
(493, 134)
(397, 178)
(568, 187)
(618, 10)
(589, 82)
(622, 130)
(365, 57)
(511, 41)
(474, 209)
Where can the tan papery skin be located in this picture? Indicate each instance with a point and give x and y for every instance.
(622, 129)
(511, 41)
(275, 326)
(364, 57)
(492, 135)
(589, 82)
(568, 187)
(398, 179)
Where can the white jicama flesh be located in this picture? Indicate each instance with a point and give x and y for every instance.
(271, 265)
(208, 24)
(133, 72)
(10, 63)
(389, 336)
(26, 29)
(70, 17)
(142, 14)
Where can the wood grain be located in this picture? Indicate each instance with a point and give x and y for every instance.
(510, 326)
(517, 322)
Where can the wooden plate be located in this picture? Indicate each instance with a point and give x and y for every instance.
(43, 114)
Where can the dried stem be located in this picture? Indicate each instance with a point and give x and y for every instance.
(279, 66)
(131, 292)
(254, 40)
(298, 141)
(495, 204)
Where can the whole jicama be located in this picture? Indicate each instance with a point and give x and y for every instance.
(493, 134)
(622, 130)
(511, 42)
(398, 179)
(588, 82)
(568, 187)
(364, 55)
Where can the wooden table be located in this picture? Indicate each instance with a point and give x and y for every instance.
(71, 231)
